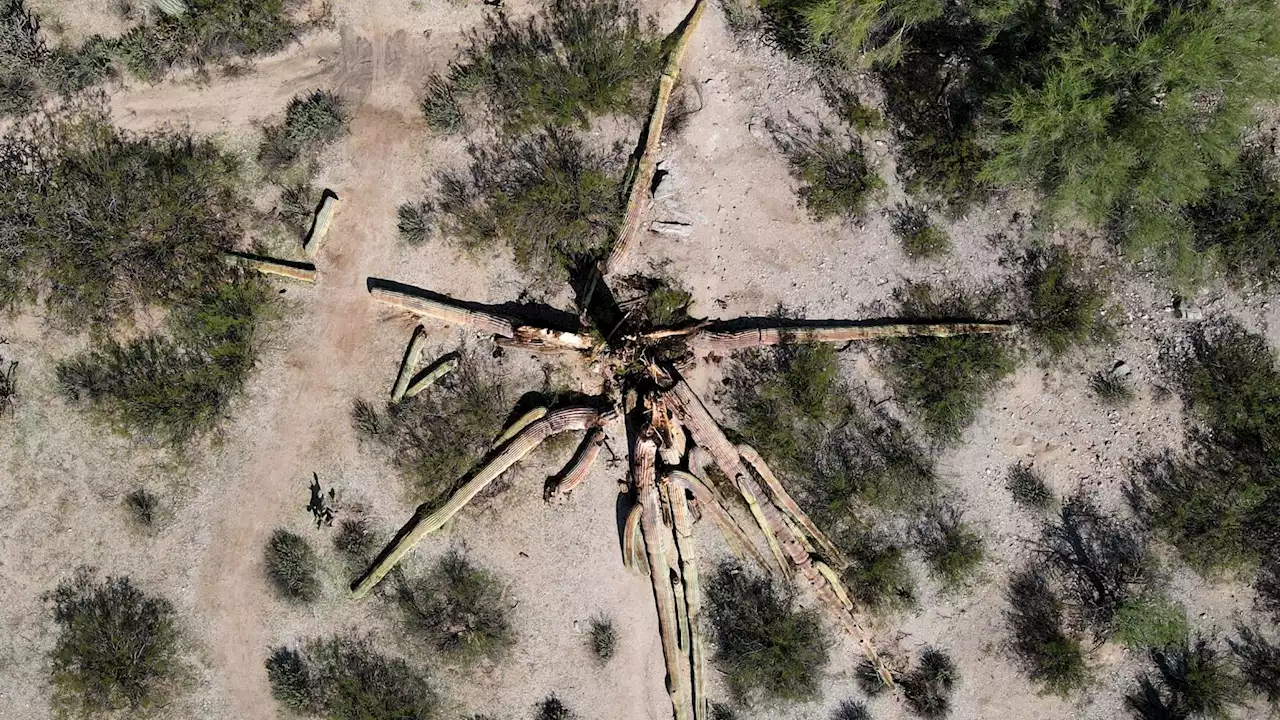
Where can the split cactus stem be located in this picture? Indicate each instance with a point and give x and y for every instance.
(708, 341)
(683, 522)
(710, 504)
(432, 375)
(578, 468)
(521, 423)
(306, 272)
(409, 364)
(783, 500)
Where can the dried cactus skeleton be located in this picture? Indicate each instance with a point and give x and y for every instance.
(669, 432)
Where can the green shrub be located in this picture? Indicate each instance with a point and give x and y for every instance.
(951, 549)
(459, 609)
(116, 649)
(944, 381)
(1061, 304)
(297, 207)
(345, 677)
(552, 708)
(765, 645)
(416, 222)
(29, 69)
(549, 197)
(1028, 488)
(178, 386)
(835, 179)
(575, 60)
(867, 675)
(438, 436)
(851, 710)
(1151, 621)
(292, 567)
(602, 639)
(1039, 640)
(878, 577)
(1218, 503)
(142, 505)
(440, 106)
(101, 224)
(919, 237)
(846, 105)
(1191, 680)
(354, 539)
(209, 32)
(1111, 389)
(1259, 662)
(1238, 219)
(654, 302)
(928, 688)
(310, 123)
(1267, 585)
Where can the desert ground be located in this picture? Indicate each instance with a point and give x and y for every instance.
(752, 248)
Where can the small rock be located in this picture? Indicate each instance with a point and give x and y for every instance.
(671, 228)
(665, 188)
(1187, 310)
(1121, 369)
(756, 128)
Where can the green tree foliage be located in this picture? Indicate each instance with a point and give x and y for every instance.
(1151, 621)
(117, 646)
(1238, 219)
(346, 677)
(766, 646)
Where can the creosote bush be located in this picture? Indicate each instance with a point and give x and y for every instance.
(575, 60)
(292, 566)
(436, 437)
(117, 647)
(549, 197)
(1191, 680)
(1028, 488)
(928, 688)
(878, 577)
(835, 179)
(345, 677)
(416, 222)
(919, 237)
(952, 550)
(1039, 640)
(459, 609)
(944, 381)
(310, 123)
(1237, 220)
(766, 646)
(1259, 662)
(354, 539)
(1061, 303)
(30, 70)
(851, 710)
(602, 639)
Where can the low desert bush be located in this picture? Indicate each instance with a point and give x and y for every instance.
(30, 70)
(851, 710)
(878, 576)
(835, 179)
(867, 675)
(440, 105)
(1028, 488)
(208, 32)
(1151, 621)
(944, 381)
(345, 677)
(436, 437)
(929, 686)
(1259, 662)
(1111, 389)
(602, 638)
(416, 222)
(765, 645)
(292, 566)
(549, 197)
(297, 207)
(1039, 639)
(1060, 303)
(459, 609)
(117, 647)
(99, 223)
(1238, 219)
(310, 123)
(919, 237)
(142, 505)
(553, 708)
(720, 711)
(951, 549)
(1192, 680)
(354, 539)
(575, 60)
(178, 386)
(8, 386)
(1267, 585)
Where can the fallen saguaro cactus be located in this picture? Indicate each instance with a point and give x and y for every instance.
(320, 223)
(708, 340)
(444, 311)
(432, 375)
(578, 468)
(306, 272)
(424, 523)
(409, 364)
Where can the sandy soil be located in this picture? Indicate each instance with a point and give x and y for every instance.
(63, 478)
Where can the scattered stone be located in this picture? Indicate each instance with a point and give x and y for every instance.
(1187, 310)
(678, 229)
(1121, 369)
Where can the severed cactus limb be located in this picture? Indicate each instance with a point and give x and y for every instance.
(431, 375)
(833, 580)
(578, 468)
(710, 504)
(320, 223)
(656, 537)
(633, 557)
(544, 338)
(563, 420)
(683, 523)
(707, 341)
(306, 272)
(412, 355)
(647, 162)
(521, 423)
(783, 500)
(444, 311)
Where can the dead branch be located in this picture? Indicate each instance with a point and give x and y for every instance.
(790, 506)
(412, 355)
(422, 524)
(647, 162)
(710, 504)
(707, 341)
(306, 272)
(445, 311)
(553, 339)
